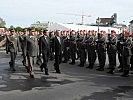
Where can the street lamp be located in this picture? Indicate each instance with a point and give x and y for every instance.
(98, 22)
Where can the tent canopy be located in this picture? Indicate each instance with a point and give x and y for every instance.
(67, 27)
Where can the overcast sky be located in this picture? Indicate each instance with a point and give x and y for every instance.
(25, 12)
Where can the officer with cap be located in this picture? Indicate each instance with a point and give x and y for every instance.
(111, 50)
(31, 51)
(127, 53)
(73, 47)
(12, 47)
(91, 49)
(81, 48)
(101, 50)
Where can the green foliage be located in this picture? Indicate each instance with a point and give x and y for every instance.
(38, 28)
(2, 22)
(18, 29)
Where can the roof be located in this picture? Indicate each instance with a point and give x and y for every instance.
(68, 27)
(105, 20)
(131, 21)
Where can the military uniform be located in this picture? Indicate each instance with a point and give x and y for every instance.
(82, 52)
(111, 50)
(30, 52)
(73, 49)
(22, 41)
(132, 55)
(126, 55)
(101, 51)
(66, 49)
(51, 56)
(12, 44)
(119, 50)
(91, 49)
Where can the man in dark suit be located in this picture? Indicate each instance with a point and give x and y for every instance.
(44, 50)
(57, 49)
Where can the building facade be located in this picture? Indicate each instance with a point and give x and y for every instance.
(41, 24)
(131, 26)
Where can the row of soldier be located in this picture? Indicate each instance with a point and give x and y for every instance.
(68, 45)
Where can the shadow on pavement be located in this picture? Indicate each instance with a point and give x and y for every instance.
(113, 94)
(28, 83)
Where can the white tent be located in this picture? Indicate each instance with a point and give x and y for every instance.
(63, 27)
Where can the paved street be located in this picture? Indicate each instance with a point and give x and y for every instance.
(74, 83)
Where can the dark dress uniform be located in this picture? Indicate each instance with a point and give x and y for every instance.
(82, 52)
(22, 42)
(126, 55)
(101, 51)
(119, 50)
(44, 49)
(51, 56)
(66, 48)
(73, 49)
(57, 48)
(91, 49)
(77, 46)
(111, 51)
(131, 61)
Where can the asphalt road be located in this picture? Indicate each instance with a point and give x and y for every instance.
(74, 83)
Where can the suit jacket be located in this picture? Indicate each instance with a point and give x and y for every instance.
(57, 46)
(44, 45)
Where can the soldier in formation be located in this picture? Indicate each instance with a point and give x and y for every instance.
(69, 45)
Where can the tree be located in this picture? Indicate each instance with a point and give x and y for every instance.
(40, 28)
(2, 22)
(18, 29)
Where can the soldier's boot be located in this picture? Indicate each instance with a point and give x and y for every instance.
(24, 63)
(100, 69)
(79, 65)
(109, 68)
(31, 76)
(126, 73)
(119, 66)
(82, 64)
(12, 67)
(46, 71)
(131, 68)
(90, 66)
(111, 71)
(73, 62)
(65, 61)
(120, 70)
